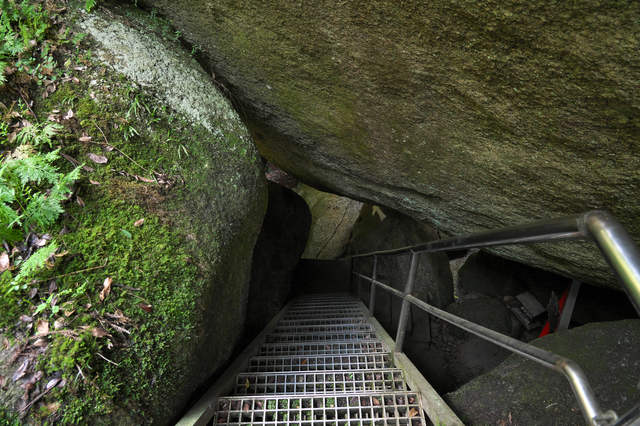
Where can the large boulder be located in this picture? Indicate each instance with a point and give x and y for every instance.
(281, 241)
(523, 392)
(333, 217)
(383, 229)
(168, 212)
(466, 116)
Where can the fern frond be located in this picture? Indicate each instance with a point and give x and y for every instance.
(35, 262)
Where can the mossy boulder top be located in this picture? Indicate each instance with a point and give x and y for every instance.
(468, 115)
(170, 214)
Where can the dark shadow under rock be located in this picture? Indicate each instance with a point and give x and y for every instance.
(279, 246)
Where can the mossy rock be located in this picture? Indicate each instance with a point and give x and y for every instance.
(528, 393)
(466, 115)
(179, 157)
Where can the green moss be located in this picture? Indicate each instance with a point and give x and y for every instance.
(191, 250)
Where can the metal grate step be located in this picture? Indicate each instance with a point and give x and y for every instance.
(368, 346)
(323, 382)
(320, 363)
(329, 328)
(398, 408)
(324, 305)
(343, 314)
(323, 364)
(321, 337)
(322, 321)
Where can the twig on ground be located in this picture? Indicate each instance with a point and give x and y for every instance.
(72, 273)
(108, 360)
(135, 295)
(27, 103)
(80, 372)
(126, 287)
(134, 162)
(68, 333)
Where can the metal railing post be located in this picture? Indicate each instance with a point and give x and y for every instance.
(406, 306)
(372, 293)
(360, 280)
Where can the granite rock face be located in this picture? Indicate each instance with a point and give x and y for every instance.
(467, 116)
(530, 394)
(381, 229)
(332, 222)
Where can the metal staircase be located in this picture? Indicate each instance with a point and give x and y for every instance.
(323, 364)
(325, 360)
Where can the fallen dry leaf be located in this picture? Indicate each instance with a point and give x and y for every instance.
(375, 400)
(95, 331)
(106, 288)
(245, 407)
(59, 323)
(138, 222)
(25, 318)
(4, 261)
(106, 147)
(413, 412)
(70, 159)
(85, 139)
(1, 380)
(144, 179)
(145, 307)
(40, 343)
(80, 200)
(100, 159)
(93, 182)
(42, 326)
(20, 371)
(69, 114)
(52, 407)
(88, 169)
(33, 292)
(304, 361)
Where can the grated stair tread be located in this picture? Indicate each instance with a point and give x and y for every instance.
(323, 364)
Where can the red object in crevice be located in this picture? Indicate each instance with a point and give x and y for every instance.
(561, 304)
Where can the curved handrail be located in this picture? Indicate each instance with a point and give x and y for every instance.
(617, 246)
(615, 243)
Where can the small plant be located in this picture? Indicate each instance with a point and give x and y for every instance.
(38, 134)
(89, 4)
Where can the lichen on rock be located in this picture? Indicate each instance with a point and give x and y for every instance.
(178, 156)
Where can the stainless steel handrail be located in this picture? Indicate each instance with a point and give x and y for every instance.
(614, 242)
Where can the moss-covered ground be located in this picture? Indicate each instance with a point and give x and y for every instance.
(134, 221)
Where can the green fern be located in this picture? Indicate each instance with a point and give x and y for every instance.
(38, 134)
(32, 189)
(35, 262)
